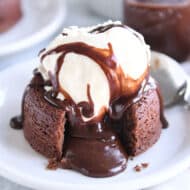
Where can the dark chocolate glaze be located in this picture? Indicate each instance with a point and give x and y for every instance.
(164, 24)
(93, 147)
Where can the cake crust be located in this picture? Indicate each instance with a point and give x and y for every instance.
(43, 124)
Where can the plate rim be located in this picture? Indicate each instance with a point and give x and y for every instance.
(148, 180)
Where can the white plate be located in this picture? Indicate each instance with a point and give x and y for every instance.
(20, 163)
(114, 9)
(40, 20)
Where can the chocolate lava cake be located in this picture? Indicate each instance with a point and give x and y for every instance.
(10, 13)
(99, 146)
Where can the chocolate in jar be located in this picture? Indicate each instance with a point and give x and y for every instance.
(165, 24)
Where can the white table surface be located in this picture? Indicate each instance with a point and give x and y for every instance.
(79, 14)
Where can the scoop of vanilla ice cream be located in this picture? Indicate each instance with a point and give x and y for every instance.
(130, 52)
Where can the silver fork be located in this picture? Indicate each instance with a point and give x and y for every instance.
(174, 81)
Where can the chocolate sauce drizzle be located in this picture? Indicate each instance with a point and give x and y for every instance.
(87, 107)
(106, 59)
(41, 51)
(102, 29)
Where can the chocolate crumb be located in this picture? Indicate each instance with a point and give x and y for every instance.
(144, 165)
(53, 164)
(65, 164)
(137, 168)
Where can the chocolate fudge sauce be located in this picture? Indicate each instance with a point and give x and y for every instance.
(102, 29)
(105, 157)
(100, 136)
(164, 24)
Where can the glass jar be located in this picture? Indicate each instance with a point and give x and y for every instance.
(164, 24)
